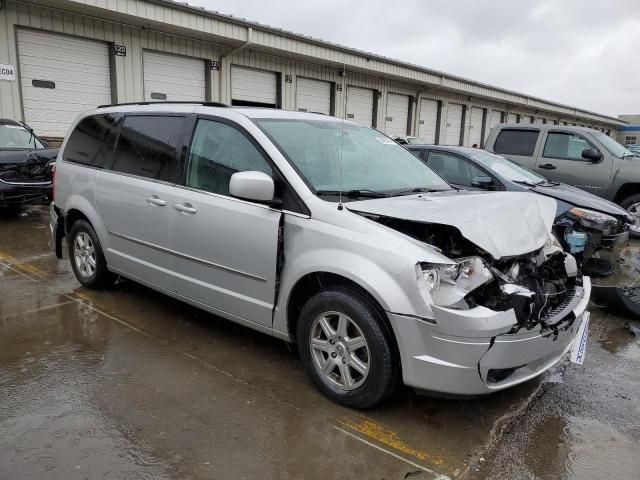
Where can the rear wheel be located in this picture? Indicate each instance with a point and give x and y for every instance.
(87, 260)
(632, 205)
(346, 348)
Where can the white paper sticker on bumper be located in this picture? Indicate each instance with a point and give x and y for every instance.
(579, 347)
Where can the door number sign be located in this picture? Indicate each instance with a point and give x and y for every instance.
(7, 72)
(120, 50)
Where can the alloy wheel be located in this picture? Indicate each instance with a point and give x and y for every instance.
(634, 211)
(340, 351)
(84, 255)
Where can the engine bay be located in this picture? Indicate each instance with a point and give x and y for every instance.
(537, 285)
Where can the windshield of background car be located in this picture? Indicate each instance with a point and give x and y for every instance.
(611, 145)
(332, 156)
(506, 168)
(16, 136)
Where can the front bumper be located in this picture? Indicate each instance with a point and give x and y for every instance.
(614, 239)
(469, 352)
(24, 193)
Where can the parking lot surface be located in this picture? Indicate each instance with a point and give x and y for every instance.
(128, 383)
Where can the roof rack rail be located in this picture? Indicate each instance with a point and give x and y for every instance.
(180, 102)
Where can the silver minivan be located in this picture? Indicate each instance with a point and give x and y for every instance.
(325, 233)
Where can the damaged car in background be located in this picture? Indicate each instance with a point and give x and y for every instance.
(325, 233)
(25, 166)
(591, 228)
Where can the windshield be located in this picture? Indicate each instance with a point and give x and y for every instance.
(506, 168)
(371, 162)
(611, 145)
(16, 136)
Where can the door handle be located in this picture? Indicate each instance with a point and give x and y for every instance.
(185, 208)
(547, 166)
(156, 200)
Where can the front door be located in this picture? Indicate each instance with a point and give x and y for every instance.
(225, 248)
(561, 160)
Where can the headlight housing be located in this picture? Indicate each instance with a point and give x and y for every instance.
(592, 219)
(437, 274)
(448, 284)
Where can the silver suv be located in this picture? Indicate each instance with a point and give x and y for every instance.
(323, 232)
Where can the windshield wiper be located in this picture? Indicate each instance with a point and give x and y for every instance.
(421, 190)
(364, 193)
(528, 184)
(541, 183)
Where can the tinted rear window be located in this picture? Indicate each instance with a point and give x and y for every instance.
(516, 142)
(148, 147)
(91, 142)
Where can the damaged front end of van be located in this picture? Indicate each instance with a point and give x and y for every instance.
(507, 305)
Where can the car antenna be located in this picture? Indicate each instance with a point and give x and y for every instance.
(344, 113)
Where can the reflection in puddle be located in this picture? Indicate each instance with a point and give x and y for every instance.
(621, 341)
(580, 448)
(51, 424)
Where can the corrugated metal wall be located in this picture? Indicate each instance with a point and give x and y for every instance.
(128, 72)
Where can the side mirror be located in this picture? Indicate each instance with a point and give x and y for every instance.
(592, 154)
(482, 182)
(256, 186)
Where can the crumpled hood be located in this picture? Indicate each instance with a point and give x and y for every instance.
(580, 198)
(504, 224)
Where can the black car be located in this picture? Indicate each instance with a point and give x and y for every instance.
(588, 226)
(25, 166)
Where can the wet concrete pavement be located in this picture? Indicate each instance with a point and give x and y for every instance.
(130, 384)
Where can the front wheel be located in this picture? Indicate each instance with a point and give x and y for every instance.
(346, 348)
(632, 205)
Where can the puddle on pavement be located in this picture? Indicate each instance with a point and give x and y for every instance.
(621, 341)
(580, 448)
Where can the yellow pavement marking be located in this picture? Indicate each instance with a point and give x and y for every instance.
(389, 438)
(437, 476)
(12, 261)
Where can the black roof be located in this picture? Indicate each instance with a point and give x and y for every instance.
(6, 121)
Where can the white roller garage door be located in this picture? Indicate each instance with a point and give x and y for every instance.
(496, 118)
(397, 116)
(428, 120)
(475, 126)
(539, 120)
(313, 96)
(512, 118)
(360, 105)
(253, 87)
(454, 124)
(173, 77)
(60, 77)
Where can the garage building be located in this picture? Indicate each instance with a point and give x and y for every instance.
(65, 56)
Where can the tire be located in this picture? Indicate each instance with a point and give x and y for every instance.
(344, 380)
(87, 260)
(627, 203)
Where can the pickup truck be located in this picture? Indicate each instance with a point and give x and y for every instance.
(582, 157)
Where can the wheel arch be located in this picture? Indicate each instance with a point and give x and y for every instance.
(315, 282)
(79, 207)
(625, 191)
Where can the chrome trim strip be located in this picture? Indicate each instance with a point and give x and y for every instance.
(226, 197)
(188, 257)
(24, 183)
